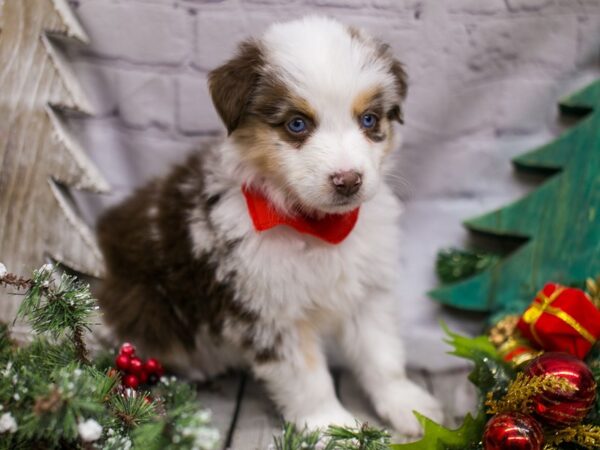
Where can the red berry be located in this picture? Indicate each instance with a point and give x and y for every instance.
(148, 399)
(131, 381)
(123, 362)
(152, 366)
(127, 349)
(136, 365)
(143, 376)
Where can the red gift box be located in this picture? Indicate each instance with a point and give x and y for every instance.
(561, 319)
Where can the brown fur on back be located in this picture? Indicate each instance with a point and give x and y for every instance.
(157, 292)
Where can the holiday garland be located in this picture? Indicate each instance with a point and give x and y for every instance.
(536, 373)
(53, 397)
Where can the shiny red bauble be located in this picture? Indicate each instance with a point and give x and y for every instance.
(559, 409)
(136, 365)
(131, 381)
(122, 362)
(127, 349)
(513, 431)
(152, 366)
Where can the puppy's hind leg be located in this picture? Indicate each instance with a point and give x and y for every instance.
(297, 377)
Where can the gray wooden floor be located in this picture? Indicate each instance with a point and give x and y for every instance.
(248, 420)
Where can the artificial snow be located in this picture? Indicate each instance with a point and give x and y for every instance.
(3, 270)
(8, 423)
(89, 431)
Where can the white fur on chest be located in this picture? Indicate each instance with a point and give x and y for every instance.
(286, 276)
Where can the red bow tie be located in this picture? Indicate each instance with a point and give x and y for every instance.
(332, 228)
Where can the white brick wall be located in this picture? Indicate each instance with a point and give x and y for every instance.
(485, 78)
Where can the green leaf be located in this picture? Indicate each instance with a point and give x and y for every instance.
(490, 372)
(437, 437)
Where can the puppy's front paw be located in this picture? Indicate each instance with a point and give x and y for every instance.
(399, 399)
(322, 418)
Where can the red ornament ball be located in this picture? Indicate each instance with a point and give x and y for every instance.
(131, 381)
(143, 376)
(513, 431)
(123, 362)
(136, 365)
(152, 366)
(559, 409)
(127, 349)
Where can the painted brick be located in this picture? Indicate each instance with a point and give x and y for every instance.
(100, 84)
(346, 4)
(146, 99)
(501, 45)
(476, 6)
(213, 47)
(195, 110)
(588, 45)
(129, 158)
(528, 5)
(142, 33)
(514, 106)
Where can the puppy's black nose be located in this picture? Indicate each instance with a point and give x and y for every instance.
(347, 183)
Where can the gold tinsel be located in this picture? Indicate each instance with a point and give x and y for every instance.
(522, 391)
(506, 338)
(586, 436)
(593, 290)
(503, 330)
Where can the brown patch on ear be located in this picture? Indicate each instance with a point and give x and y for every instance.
(231, 85)
(400, 81)
(400, 77)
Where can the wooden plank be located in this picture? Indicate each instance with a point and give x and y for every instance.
(257, 420)
(456, 393)
(220, 396)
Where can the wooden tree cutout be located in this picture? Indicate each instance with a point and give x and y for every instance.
(560, 220)
(38, 157)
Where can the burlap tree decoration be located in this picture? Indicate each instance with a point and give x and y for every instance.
(38, 157)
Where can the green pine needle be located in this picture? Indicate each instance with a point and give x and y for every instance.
(361, 437)
(49, 387)
(454, 265)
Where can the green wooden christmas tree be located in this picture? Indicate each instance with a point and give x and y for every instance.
(560, 220)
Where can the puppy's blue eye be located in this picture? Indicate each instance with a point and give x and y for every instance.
(297, 125)
(368, 120)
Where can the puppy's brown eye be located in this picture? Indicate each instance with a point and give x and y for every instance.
(296, 125)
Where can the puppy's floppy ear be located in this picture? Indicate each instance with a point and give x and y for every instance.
(400, 80)
(232, 84)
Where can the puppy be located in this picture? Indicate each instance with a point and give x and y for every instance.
(262, 247)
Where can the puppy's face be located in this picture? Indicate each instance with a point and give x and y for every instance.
(311, 108)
